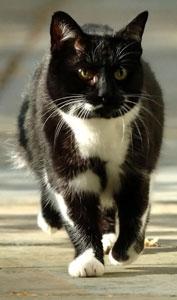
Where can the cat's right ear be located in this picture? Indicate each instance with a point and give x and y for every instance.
(63, 28)
(136, 27)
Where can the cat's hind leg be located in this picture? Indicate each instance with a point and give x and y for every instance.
(49, 218)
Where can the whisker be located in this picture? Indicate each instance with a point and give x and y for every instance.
(126, 47)
(61, 122)
(146, 110)
(81, 112)
(128, 61)
(150, 114)
(145, 96)
(149, 95)
(88, 112)
(75, 94)
(145, 127)
(151, 100)
(55, 112)
(76, 108)
(130, 130)
(127, 107)
(123, 125)
(88, 56)
(66, 102)
(57, 130)
(139, 132)
(67, 98)
(128, 53)
(69, 103)
(96, 48)
(146, 131)
(48, 111)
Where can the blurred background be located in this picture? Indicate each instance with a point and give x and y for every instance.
(24, 39)
(28, 266)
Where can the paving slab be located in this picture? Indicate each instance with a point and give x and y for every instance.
(39, 268)
(34, 264)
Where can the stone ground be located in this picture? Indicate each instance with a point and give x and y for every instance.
(32, 264)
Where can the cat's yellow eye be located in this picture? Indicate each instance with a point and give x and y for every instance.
(86, 74)
(120, 74)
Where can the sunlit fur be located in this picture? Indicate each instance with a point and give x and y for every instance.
(93, 141)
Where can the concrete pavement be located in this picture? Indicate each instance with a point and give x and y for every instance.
(32, 264)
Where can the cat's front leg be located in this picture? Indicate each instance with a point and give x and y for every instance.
(82, 220)
(110, 229)
(133, 213)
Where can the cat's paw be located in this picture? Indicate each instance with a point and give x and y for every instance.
(44, 225)
(108, 241)
(125, 259)
(86, 265)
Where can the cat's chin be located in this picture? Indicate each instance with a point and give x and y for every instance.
(107, 114)
(101, 113)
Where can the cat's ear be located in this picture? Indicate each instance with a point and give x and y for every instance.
(63, 28)
(135, 28)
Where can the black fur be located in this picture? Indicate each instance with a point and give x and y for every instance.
(58, 87)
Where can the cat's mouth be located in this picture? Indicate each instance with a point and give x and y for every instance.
(82, 108)
(88, 111)
(91, 107)
(112, 110)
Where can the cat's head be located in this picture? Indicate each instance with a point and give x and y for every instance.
(92, 75)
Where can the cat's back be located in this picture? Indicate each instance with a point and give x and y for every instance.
(97, 29)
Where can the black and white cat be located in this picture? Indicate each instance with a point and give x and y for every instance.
(90, 128)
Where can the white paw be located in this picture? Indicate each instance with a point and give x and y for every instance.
(132, 254)
(44, 226)
(86, 265)
(108, 241)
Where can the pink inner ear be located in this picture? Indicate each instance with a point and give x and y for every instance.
(60, 33)
(78, 46)
(56, 34)
(134, 32)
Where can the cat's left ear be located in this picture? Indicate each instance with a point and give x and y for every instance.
(63, 28)
(136, 27)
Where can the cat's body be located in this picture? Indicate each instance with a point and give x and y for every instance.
(94, 142)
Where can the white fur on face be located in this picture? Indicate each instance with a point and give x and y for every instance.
(86, 265)
(91, 107)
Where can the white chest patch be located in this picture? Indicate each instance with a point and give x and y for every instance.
(107, 139)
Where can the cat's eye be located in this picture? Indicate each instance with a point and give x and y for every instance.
(120, 74)
(86, 74)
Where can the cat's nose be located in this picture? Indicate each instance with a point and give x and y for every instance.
(109, 102)
(105, 99)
